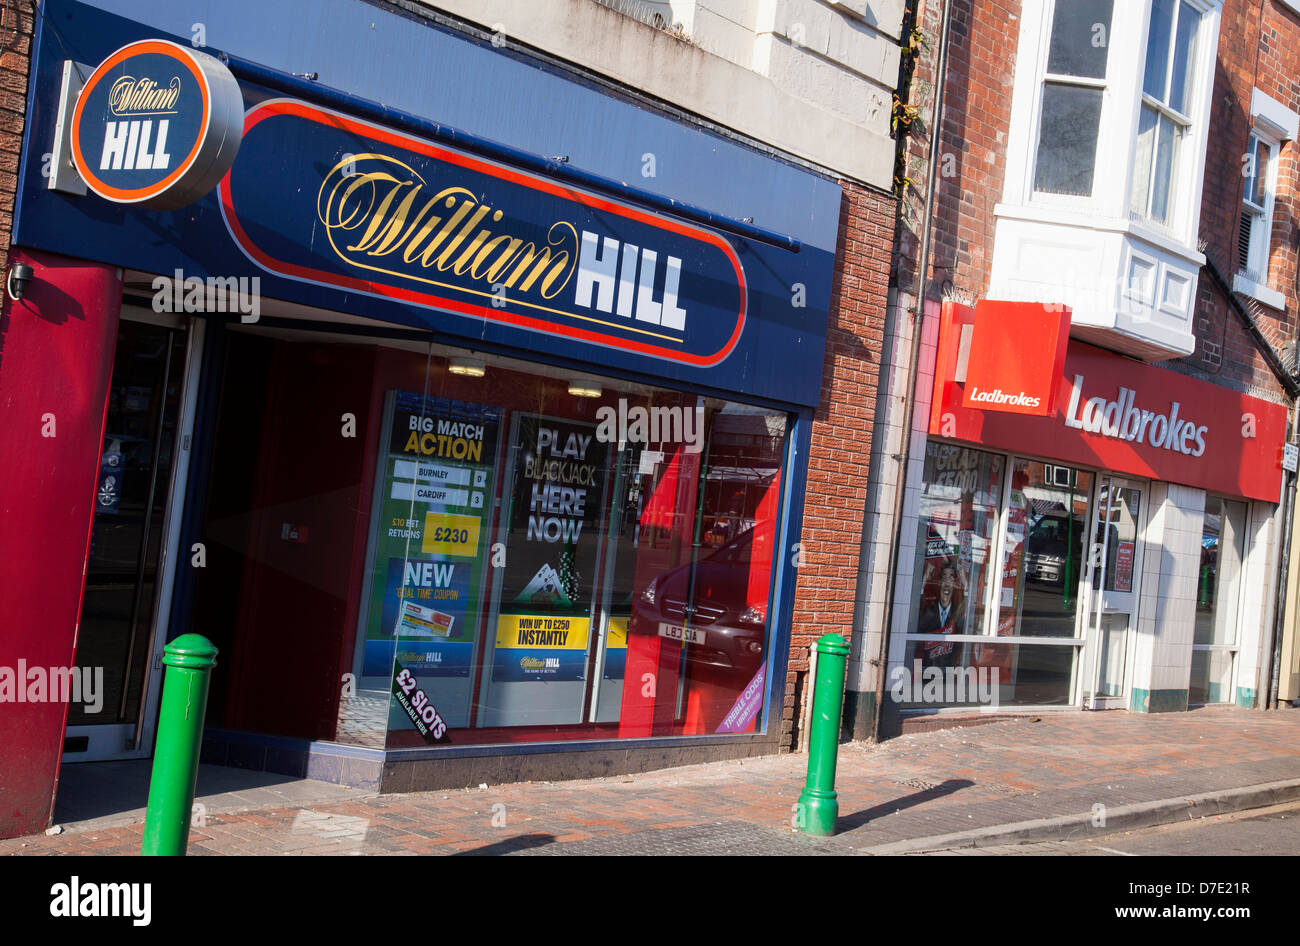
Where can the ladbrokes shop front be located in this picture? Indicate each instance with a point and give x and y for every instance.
(470, 427)
(1082, 529)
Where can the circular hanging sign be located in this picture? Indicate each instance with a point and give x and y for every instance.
(157, 125)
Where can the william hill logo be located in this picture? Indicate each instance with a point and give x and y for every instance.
(380, 214)
(127, 144)
(366, 209)
(130, 96)
(156, 125)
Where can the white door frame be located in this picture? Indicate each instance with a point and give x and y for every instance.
(1098, 602)
(116, 741)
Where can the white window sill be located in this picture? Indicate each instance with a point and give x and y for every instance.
(1258, 291)
(1090, 220)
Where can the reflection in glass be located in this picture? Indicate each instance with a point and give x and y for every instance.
(1067, 144)
(1180, 92)
(1159, 140)
(1223, 551)
(1043, 552)
(1155, 77)
(958, 519)
(989, 674)
(1080, 38)
(489, 558)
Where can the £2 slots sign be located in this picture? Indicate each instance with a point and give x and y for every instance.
(417, 706)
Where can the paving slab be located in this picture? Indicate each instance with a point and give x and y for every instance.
(1080, 775)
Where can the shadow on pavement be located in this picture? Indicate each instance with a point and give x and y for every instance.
(90, 790)
(520, 842)
(859, 818)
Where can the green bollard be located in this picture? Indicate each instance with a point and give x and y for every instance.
(189, 660)
(818, 807)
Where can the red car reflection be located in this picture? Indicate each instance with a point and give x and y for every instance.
(718, 605)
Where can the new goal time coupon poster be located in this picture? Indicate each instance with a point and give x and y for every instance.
(433, 523)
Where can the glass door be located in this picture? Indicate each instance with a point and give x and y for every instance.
(132, 558)
(1218, 593)
(1115, 566)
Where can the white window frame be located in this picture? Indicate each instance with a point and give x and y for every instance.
(1117, 135)
(1261, 231)
(1033, 54)
(1273, 124)
(1186, 177)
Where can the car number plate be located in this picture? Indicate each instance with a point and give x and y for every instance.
(678, 633)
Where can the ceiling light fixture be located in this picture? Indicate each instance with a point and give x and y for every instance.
(467, 367)
(584, 389)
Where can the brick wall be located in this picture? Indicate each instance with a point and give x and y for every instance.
(972, 153)
(16, 42)
(838, 459)
(1259, 46)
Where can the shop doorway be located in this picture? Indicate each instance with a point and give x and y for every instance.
(133, 550)
(1114, 570)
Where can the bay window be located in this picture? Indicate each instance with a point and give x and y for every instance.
(1105, 165)
(1165, 119)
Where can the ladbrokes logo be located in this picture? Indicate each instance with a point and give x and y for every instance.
(998, 396)
(130, 96)
(1122, 419)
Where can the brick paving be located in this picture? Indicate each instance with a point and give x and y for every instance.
(917, 785)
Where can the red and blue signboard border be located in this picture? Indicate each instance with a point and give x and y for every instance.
(294, 107)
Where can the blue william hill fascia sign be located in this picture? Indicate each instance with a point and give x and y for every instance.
(744, 319)
(402, 218)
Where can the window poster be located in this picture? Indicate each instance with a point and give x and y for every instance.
(432, 525)
(1124, 554)
(556, 506)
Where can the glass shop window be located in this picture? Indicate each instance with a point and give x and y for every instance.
(1043, 554)
(957, 524)
(488, 553)
(1032, 589)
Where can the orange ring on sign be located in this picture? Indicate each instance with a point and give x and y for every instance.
(162, 47)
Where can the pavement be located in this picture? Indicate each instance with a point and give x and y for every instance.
(1066, 776)
(1259, 832)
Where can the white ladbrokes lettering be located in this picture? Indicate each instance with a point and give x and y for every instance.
(1122, 419)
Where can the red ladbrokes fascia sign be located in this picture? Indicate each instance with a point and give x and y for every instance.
(1113, 413)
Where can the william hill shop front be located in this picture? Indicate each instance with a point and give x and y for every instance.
(1084, 530)
(474, 462)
